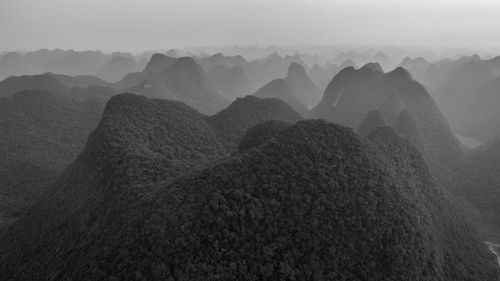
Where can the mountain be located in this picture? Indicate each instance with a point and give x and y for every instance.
(480, 183)
(418, 67)
(78, 80)
(321, 76)
(117, 67)
(159, 63)
(280, 89)
(401, 152)
(80, 87)
(475, 114)
(46, 81)
(183, 81)
(371, 123)
(13, 63)
(130, 80)
(92, 92)
(302, 86)
(137, 141)
(274, 66)
(338, 209)
(461, 92)
(42, 132)
(173, 53)
(244, 113)
(359, 97)
(260, 134)
(232, 82)
(352, 94)
(68, 62)
(77, 63)
(30, 63)
(406, 125)
(220, 59)
(347, 63)
(392, 106)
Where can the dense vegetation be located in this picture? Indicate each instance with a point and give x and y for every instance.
(372, 122)
(260, 133)
(408, 165)
(15, 84)
(162, 192)
(352, 94)
(314, 202)
(42, 132)
(480, 184)
(244, 113)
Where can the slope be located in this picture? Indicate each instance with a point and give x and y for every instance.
(279, 89)
(42, 132)
(339, 209)
(183, 81)
(232, 123)
(302, 86)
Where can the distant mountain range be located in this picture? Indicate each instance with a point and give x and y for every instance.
(184, 80)
(232, 82)
(109, 67)
(296, 89)
(460, 87)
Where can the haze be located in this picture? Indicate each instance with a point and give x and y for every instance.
(149, 24)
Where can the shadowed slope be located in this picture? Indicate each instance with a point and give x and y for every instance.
(279, 89)
(244, 113)
(353, 93)
(42, 132)
(302, 86)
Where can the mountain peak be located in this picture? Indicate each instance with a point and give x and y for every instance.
(296, 69)
(373, 66)
(232, 122)
(280, 89)
(159, 62)
(400, 73)
(187, 64)
(302, 86)
(347, 63)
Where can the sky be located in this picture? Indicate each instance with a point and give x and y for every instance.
(129, 25)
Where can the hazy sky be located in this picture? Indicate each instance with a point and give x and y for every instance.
(162, 24)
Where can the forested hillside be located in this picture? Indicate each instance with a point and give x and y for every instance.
(314, 197)
(42, 132)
